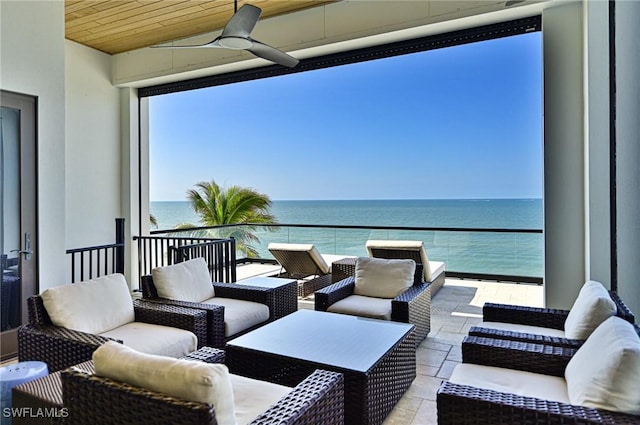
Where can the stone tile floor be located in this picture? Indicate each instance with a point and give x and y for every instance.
(454, 309)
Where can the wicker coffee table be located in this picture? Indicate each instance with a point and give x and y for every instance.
(377, 358)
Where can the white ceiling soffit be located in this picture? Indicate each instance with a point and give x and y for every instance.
(333, 28)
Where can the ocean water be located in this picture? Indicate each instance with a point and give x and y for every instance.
(509, 253)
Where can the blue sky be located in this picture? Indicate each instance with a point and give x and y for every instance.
(461, 122)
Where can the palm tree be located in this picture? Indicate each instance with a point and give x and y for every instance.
(218, 205)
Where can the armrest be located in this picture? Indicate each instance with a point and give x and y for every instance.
(537, 358)
(215, 318)
(523, 315)
(525, 337)
(244, 292)
(414, 306)
(320, 395)
(471, 405)
(189, 319)
(58, 347)
(324, 297)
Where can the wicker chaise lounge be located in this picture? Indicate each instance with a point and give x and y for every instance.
(508, 382)
(434, 271)
(304, 263)
(538, 325)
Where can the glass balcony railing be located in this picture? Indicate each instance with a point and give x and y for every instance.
(497, 254)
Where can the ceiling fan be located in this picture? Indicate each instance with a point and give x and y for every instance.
(236, 36)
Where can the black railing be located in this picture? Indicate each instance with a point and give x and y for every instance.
(96, 261)
(159, 251)
(220, 256)
(500, 254)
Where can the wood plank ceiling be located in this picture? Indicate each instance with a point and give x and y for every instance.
(116, 26)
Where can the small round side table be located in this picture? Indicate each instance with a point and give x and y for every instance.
(16, 374)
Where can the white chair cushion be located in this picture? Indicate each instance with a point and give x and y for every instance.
(359, 305)
(437, 268)
(605, 372)
(240, 314)
(92, 306)
(592, 307)
(253, 397)
(155, 339)
(514, 327)
(382, 278)
(186, 379)
(405, 246)
(511, 381)
(186, 281)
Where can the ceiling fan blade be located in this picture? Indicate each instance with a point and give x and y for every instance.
(242, 22)
(272, 54)
(213, 43)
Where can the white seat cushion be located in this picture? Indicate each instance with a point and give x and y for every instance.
(382, 278)
(592, 307)
(253, 397)
(186, 281)
(514, 327)
(240, 314)
(359, 305)
(92, 306)
(155, 339)
(437, 268)
(510, 381)
(186, 379)
(605, 372)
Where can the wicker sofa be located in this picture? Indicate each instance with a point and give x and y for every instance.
(61, 347)
(535, 324)
(483, 403)
(224, 300)
(413, 305)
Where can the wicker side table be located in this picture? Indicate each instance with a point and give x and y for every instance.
(284, 299)
(342, 269)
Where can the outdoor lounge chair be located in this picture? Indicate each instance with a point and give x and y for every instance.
(69, 322)
(434, 272)
(176, 395)
(231, 309)
(382, 289)
(510, 382)
(552, 326)
(304, 263)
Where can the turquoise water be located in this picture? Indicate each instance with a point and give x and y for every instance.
(472, 252)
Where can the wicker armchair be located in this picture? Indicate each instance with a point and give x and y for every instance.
(94, 400)
(464, 404)
(61, 347)
(412, 306)
(215, 325)
(536, 316)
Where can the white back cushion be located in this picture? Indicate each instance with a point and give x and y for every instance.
(186, 281)
(186, 379)
(382, 278)
(592, 307)
(605, 372)
(93, 306)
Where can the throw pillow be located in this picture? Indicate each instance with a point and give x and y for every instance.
(186, 379)
(93, 306)
(382, 278)
(592, 306)
(186, 281)
(605, 372)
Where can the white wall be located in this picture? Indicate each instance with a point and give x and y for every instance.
(92, 148)
(628, 151)
(32, 62)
